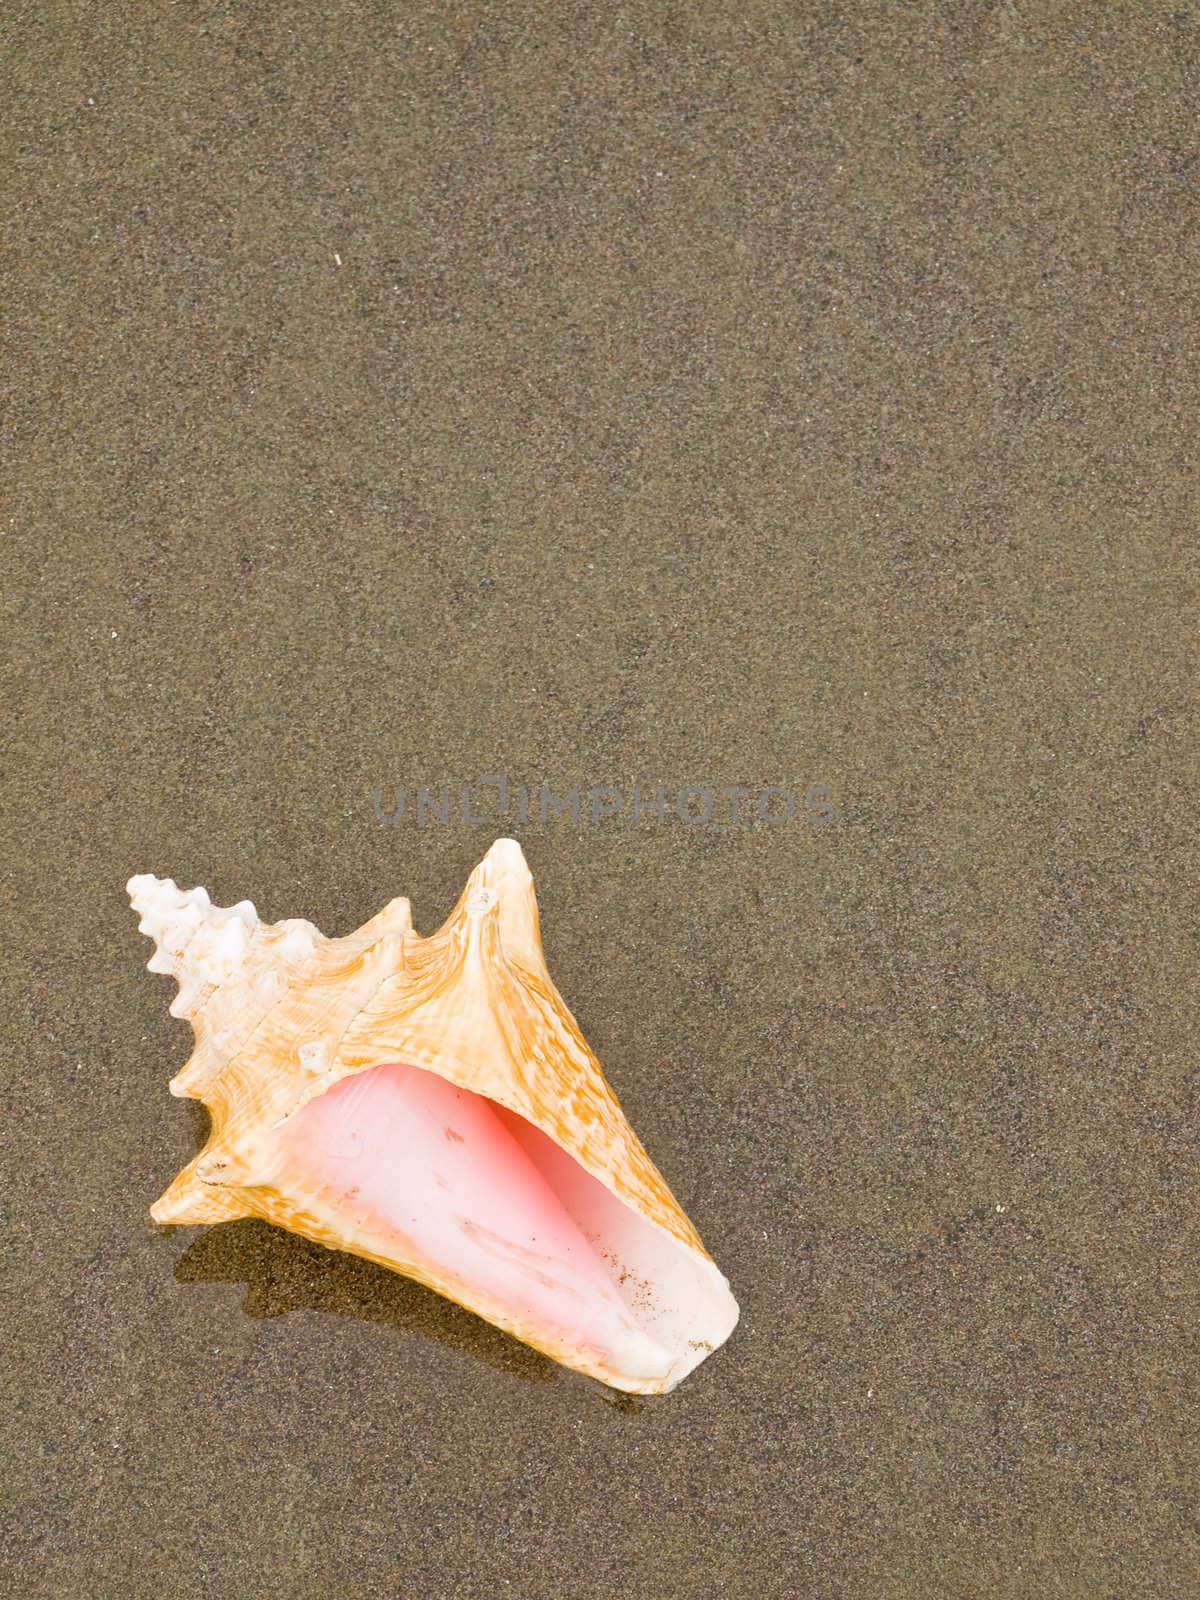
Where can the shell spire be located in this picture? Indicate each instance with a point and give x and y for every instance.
(342, 1075)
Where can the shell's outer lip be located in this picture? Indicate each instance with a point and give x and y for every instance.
(282, 1014)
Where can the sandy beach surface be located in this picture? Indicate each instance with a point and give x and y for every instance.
(766, 397)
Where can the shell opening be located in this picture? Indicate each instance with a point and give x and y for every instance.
(400, 1164)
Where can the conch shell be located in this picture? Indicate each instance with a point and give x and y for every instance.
(431, 1104)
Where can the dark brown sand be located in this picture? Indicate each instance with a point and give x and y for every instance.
(696, 395)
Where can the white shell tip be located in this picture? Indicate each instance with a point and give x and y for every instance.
(299, 941)
(227, 946)
(508, 853)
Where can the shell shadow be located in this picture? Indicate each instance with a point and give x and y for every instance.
(283, 1272)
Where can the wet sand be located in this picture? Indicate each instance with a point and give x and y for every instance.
(599, 397)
